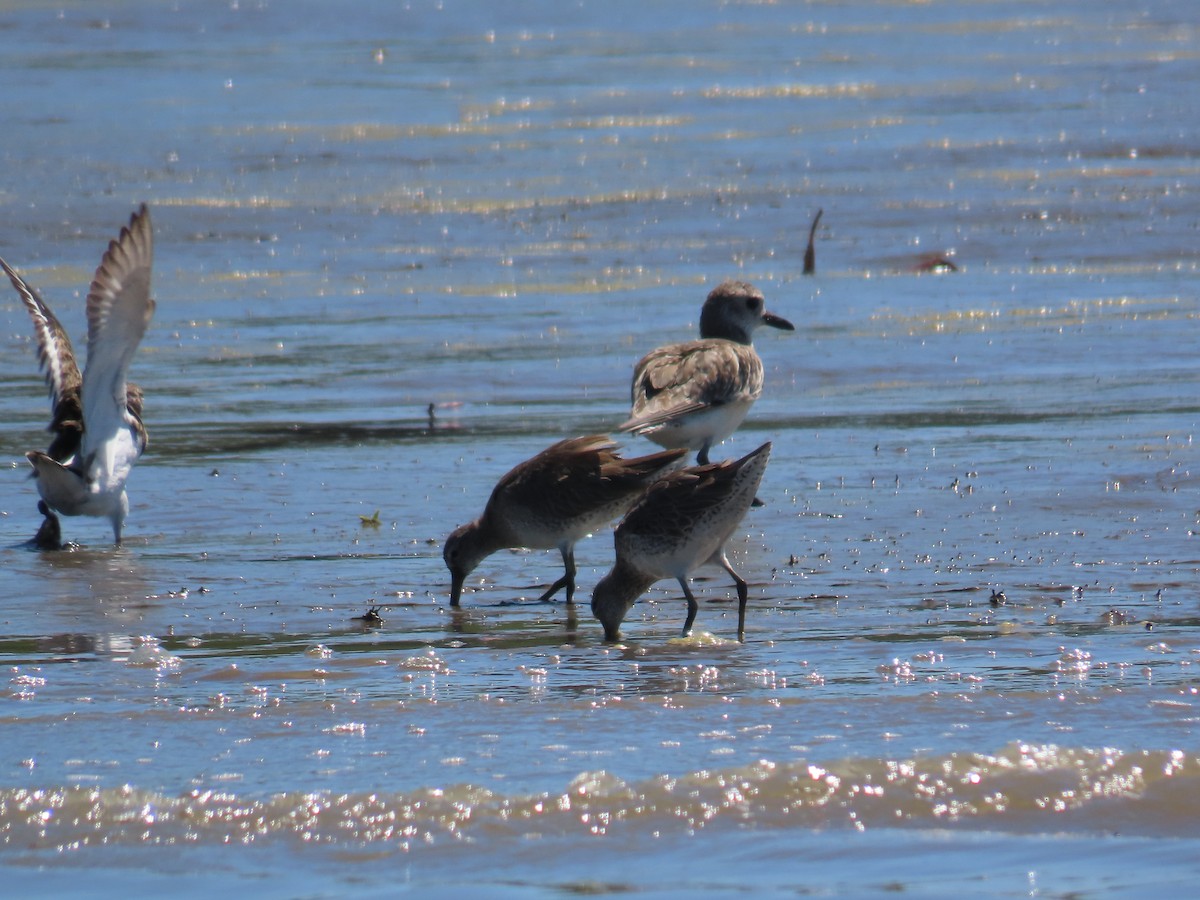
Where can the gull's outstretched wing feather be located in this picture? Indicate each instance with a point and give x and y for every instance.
(119, 309)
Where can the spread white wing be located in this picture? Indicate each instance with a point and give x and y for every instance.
(119, 309)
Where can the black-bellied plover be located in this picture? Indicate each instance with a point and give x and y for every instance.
(697, 393)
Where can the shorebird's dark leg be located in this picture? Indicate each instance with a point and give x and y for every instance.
(693, 606)
(49, 533)
(743, 594)
(568, 579)
(702, 456)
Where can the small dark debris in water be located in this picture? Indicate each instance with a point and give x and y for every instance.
(371, 521)
(998, 598)
(371, 616)
(1149, 625)
(215, 473)
(935, 265)
(810, 252)
(1158, 595)
(793, 560)
(432, 416)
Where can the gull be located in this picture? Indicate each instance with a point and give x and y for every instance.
(696, 394)
(680, 524)
(552, 500)
(97, 416)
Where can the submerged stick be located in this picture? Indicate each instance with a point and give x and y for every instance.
(810, 252)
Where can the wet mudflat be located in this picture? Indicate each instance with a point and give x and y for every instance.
(973, 627)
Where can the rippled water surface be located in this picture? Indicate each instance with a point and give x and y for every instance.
(402, 247)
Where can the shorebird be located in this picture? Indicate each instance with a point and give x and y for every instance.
(552, 500)
(97, 416)
(680, 524)
(696, 394)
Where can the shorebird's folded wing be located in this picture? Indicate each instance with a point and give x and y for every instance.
(540, 479)
(119, 309)
(683, 379)
(56, 357)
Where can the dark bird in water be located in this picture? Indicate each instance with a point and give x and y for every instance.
(552, 500)
(680, 524)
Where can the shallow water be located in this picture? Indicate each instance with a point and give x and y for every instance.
(359, 215)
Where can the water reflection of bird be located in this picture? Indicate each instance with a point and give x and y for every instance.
(681, 523)
(97, 416)
(553, 500)
(696, 394)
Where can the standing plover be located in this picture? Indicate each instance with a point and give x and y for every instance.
(697, 393)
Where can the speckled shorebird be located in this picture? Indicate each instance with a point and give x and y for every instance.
(97, 416)
(697, 393)
(680, 524)
(563, 494)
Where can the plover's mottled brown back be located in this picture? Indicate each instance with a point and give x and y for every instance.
(680, 524)
(696, 394)
(97, 418)
(552, 500)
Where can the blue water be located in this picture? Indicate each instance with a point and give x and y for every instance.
(360, 212)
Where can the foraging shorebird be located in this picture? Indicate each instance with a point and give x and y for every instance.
(697, 393)
(563, 494)
(97, 416)
(680, 524)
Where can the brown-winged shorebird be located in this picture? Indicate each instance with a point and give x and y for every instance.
(697, 393)
(97, 416)
(563, 494)
(680, 524)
